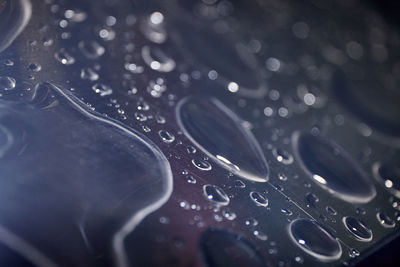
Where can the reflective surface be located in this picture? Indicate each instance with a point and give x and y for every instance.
(197, 132)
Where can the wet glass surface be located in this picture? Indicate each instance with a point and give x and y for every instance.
(197, 133)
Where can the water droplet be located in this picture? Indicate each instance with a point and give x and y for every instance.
(358, 228)
(385, 220)
(230, 215)
(91, 49)
(89, 74)
(239, 184)
(260, 235)
(157, 60)
(102, 89)
(219, 133)
(259, 199)
(331, 210)
(315, 240)
(216, 195)
(251, 222)
(15, 15)
(166, 136)
(354, 253)
(311, 200)
(92, 148)
(64, 57)
(220, 248)
(34, 67)
(201, 164)
(190, 179)
(154, 29)
(7, 83)
(282, 156)
(388, 175)
(232, 60)
(333, 169)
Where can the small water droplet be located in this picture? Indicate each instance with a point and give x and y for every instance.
(201, 164)
(260, 235)
(311, 200)
(230, 215)
(102, 89)
(282, 156)
(34, 67)
(91, 49)
(251, 222)
(166, 136)
(64, 57)
(354, 253)
(89, 74)
(215, 195)
(157, 60)
(385, 220)
(259, 199)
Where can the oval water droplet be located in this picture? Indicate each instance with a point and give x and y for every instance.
(358, 228)
(157, 60)
(14, 16)
(259, 199)
(7, 83)
(89, 74)
(311, 200)
(385, 220)
(315, 240)
(64, 57)
(153, 28)
(215, 195)
(202, 164)
(91, 49)
(219, 133)
(333, 169)
(166, 136)
(220, 248)
(388, 175)
(102, 89)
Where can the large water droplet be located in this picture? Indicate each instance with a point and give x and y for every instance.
(358, 228)
(221, 248)
(80, 165)
(315, 240)
(333, 169)
(14, 16)
(216, 195)
(219, 133)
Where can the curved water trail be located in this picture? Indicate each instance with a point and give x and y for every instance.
(14, 16)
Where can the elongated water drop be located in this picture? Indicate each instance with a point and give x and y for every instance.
(219, 133)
